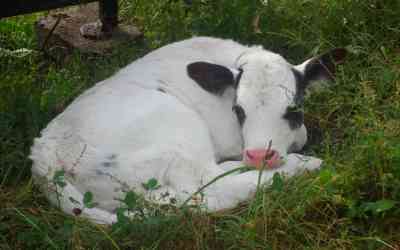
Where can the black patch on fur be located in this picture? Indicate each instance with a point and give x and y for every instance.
(76, 211)
(110, 161)
(295, 117)
(240, 114)
(161, 90)
(301, 86)
(213, 78)
(108, 164)
(324, 66)
(112, 156)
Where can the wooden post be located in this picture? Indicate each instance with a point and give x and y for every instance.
(108, 15)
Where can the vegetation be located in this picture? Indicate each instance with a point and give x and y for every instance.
(354, 125)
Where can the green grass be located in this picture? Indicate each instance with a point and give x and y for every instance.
(354, 125)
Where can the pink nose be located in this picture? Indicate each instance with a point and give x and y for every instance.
(255, 153)
(260, 158)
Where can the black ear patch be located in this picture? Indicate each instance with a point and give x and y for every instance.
(324, 66)
(295, 117)
(213, 78)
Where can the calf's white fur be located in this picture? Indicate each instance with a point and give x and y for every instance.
(161, 118)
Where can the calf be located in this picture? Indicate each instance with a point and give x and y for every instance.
(183, 115)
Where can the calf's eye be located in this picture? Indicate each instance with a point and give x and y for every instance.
(295, 116)
(240, 114)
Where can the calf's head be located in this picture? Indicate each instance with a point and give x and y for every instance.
(269, 98)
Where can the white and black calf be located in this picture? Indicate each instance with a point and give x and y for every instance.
(178, 115)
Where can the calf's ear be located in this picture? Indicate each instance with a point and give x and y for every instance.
(322, 67)
(213, 78)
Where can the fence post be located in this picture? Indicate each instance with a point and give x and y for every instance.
(108, 15)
